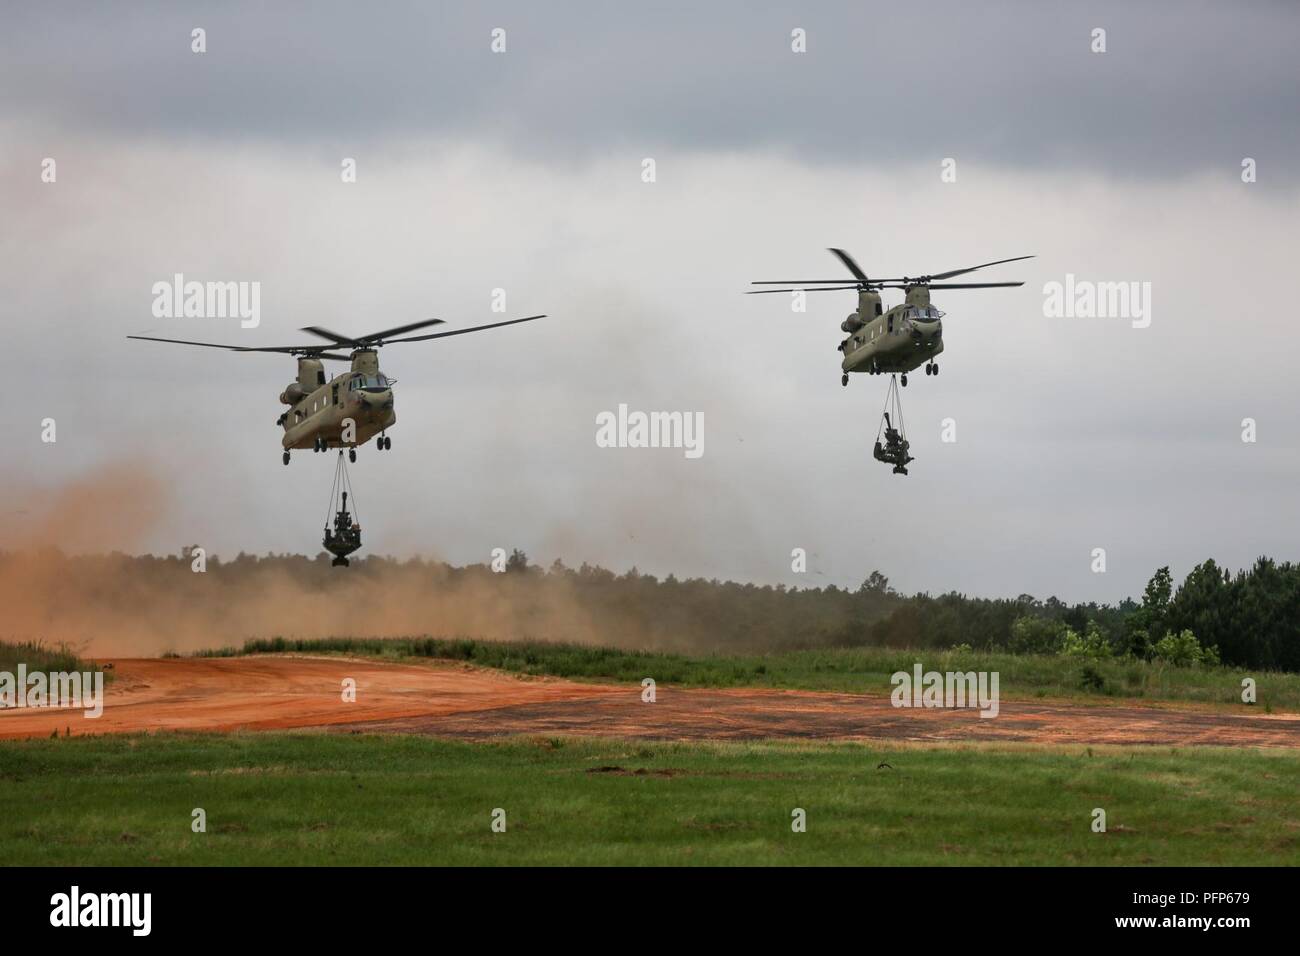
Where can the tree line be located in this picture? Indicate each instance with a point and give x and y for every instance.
(1250, 618)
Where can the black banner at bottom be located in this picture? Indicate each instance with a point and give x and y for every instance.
(331, 905)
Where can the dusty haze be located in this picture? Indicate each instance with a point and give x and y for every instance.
(60, 583)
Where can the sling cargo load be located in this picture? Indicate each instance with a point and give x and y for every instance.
(345, 537)
(896, 448)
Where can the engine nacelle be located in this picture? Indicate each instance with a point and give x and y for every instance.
(293, 394)
(851, 324)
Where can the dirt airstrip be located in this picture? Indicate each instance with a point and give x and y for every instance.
(284, 692)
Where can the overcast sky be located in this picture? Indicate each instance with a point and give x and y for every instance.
(522, 170)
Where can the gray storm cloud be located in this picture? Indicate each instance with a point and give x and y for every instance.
(1182, 85)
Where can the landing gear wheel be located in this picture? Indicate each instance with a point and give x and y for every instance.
(286, 458)
(352, 454)
(903, 381)
(388, 443)
(844, 380)
(936, 368)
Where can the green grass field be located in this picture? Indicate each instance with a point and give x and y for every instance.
(849, 670)
(312, 798)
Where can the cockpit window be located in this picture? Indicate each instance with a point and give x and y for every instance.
(374, 381)
(925, 313)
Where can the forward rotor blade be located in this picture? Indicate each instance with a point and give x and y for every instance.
(849, 264)
(476, 328)
(927, 279)
(832, 288)
(803, 282)
(330, 336)
(960, 285)
(958, 272)
(409, 327)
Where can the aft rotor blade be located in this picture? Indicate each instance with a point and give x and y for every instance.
(849, 264)
(288, 349)
(313, 350)
(476, 328)
(840, 281)
(206, 345)
(833, 288)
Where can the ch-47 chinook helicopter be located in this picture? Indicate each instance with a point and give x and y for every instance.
(897, 340)
(318, 409)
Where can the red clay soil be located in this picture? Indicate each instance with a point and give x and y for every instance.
(281, 692)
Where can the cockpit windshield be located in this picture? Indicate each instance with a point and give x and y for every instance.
(371, 382)
(924, 313)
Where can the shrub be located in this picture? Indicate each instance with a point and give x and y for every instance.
(1184, 650)
(1036, 635)
(1092, 644)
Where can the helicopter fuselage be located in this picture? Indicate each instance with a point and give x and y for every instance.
(894, 340)
(321, 410)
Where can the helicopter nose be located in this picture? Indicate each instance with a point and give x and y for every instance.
(378, 398)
